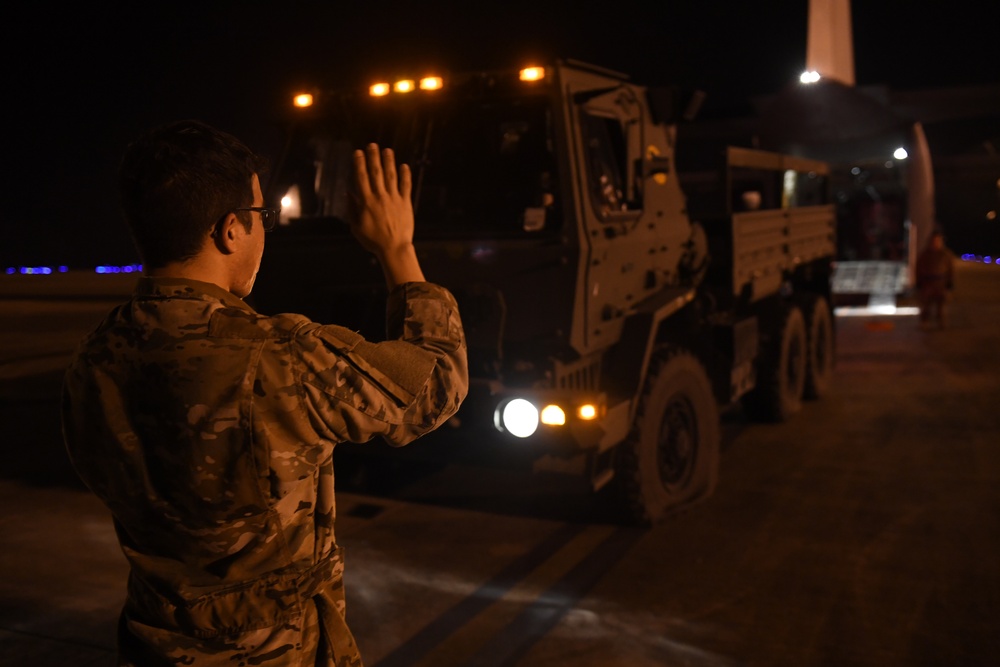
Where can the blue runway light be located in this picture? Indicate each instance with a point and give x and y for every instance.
(127, 268)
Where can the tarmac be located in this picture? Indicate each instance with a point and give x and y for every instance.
(866, 535)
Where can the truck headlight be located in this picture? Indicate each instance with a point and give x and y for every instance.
(517, 417)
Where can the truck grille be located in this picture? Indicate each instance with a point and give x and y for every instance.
(581, 375)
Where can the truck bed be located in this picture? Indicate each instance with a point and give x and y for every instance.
(769, 244)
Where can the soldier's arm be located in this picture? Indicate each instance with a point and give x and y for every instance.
(398, 389)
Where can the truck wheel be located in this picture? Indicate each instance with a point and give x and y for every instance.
(671, 458)
(820, 347)
(781, 372)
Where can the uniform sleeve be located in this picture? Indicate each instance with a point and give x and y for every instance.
(400, 388)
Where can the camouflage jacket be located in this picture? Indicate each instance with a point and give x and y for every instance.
(935, 269)
(208, 431)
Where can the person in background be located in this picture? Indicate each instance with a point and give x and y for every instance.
(208, 429)
(935, 281)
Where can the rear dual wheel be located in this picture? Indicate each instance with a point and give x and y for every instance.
(820, 353)
(781, 370)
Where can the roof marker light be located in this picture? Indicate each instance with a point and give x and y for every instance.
(404, 86)
(303, 100)
(431, 83)
(532, 74)
(379, 90)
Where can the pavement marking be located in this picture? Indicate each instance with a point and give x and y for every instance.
(497, 623)
(513, 641)
(443, 626)
(502, 610)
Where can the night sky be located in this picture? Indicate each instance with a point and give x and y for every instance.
(81, 81)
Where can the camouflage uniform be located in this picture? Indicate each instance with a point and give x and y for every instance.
(208, 431)
(935, 280)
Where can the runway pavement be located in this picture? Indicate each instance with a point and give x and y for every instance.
(866, 531)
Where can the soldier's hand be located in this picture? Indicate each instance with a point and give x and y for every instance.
(383, 219)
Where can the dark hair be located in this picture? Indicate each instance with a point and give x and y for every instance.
(177, 181)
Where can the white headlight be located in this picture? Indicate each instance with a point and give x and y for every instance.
(517, 417)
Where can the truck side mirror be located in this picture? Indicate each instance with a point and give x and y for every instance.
(694, 105)
(665, 104)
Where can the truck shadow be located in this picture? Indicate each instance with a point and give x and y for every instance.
(451, 474)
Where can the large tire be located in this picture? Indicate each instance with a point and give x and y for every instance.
(820, 353)
(671, 458)
(781, 371)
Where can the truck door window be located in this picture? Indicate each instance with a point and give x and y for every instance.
(607, 164)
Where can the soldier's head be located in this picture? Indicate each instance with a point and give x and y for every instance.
(178, 184)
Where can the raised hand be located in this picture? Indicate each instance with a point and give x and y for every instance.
(383, 222)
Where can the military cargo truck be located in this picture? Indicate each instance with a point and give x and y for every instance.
(614, 301)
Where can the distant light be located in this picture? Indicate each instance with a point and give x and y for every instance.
(379, 89)
(587, 412)
(431, 83)
(303, 100)
(128, 268)
(63, 269)
(811, 76)
(991, 215)
(855, 170)
(988, 260)
(900, 153)
(404, 86)
(532, 74)
(863, 311)
(11, 270)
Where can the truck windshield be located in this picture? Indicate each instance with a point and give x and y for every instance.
(481, 167)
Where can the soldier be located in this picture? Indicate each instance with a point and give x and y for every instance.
(208, 429)
(935, 280)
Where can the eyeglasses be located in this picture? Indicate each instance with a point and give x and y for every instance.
(268, 216)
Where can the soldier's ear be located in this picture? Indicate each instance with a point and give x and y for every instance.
(227, 234)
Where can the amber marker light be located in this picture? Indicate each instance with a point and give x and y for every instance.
(553, 415)
(532, 74)
(303, 100)
(379, 90)
(587, 412)
(404, 86)
(431, 83)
